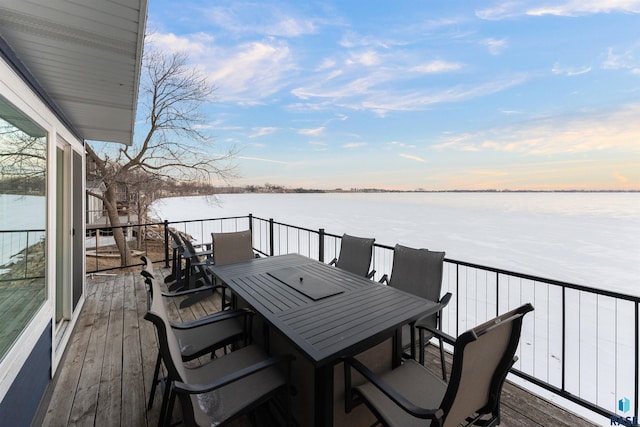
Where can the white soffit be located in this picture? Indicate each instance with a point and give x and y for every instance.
(86, 54)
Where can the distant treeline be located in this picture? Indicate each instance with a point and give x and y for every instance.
(28, 186)
(269, 188)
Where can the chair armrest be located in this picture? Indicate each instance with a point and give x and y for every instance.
(391, 393)
(146, 274)
(436, 309)
(193, 291)
(384, 279)
(204, 263)
(213, 318)
(445, 299)
(206, 246)
(188, 254)
(438, 333)
(181, 387)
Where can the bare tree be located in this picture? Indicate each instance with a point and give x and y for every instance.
(175, 146)
(23, 160)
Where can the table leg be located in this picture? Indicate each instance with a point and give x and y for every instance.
(396, 357)
(324, 396)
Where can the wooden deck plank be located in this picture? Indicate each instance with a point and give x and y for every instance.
(59, 410)
(133, 390)
(110, 385)
(89, 367)
(148, 351)
(85, 403)
(18, 304)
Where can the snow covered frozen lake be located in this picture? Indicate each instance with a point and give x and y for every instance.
(583, 238)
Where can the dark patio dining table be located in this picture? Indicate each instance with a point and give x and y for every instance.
(320, 314)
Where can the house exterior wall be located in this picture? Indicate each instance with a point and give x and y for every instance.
(28, 366)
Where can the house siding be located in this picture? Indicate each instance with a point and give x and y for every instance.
(21, 401)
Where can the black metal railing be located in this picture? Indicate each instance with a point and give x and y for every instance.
(22, 255)
(582, 344)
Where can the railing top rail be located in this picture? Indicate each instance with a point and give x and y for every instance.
(567, 285)
(40, 230)
(289, 225)
(161, 223)
(531, 277)
(207, 219)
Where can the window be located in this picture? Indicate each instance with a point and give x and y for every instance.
(23, 165)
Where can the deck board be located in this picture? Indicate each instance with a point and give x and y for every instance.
(106, 373)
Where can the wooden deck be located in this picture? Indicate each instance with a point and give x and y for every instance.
(107, 370)
(19, 300)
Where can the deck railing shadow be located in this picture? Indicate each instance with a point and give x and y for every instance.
(581, 344)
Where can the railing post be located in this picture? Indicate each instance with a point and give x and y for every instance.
(637, 339)
(321, 245)
(97, 247)
(166, 244)
(251, 223)
(26, 257)
(564, 339)
(457, 298)
(271, 243)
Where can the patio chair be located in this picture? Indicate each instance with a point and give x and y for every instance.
(227, 248)
(200, 336)
(355, 255)
(410, 395)
(182, 277)
(176, 259)
(221, 389)
(419, 272)
(197, 279)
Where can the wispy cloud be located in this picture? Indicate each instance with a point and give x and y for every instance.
(628, 59)
(620, 178)
(488, 173)
(312, 132)
(366, 93)
(571, 8)
(569, 71)
(351, 145)
(318, 145)
(245, 73)
(437, 66)
(252, 71)
(260, 159)
(586, 7)
(412, 157)
(170, 42)
(401, 144)
(262, 19)
(368, 58)
(495, 46)
(580, 133)
(262, 131)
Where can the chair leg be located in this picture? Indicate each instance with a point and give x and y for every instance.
(165, 414)
(444, 366)
(413, 340)
(421, 344)
(173, 276)
(154, 384)
(170, 401)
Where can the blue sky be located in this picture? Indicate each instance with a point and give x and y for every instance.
(437, 95)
